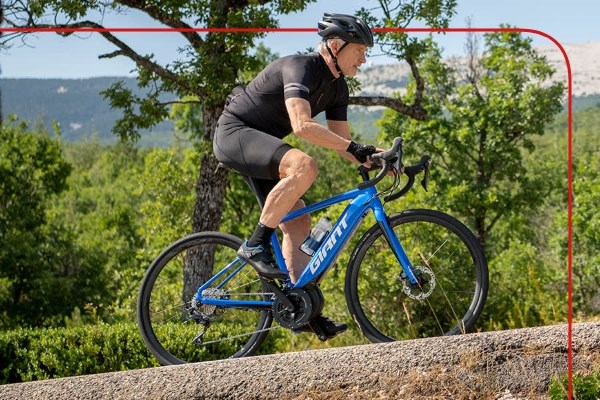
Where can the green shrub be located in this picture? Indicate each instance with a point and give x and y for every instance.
(584, 387)
(34, 354)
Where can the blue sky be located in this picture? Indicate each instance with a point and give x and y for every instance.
(51, 56)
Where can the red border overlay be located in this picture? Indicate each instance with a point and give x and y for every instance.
(423, 30)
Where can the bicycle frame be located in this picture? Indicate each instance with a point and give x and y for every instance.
(361, 202)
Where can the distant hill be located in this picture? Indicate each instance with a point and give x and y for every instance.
(82, 112)
(584, 60)
(76, 104)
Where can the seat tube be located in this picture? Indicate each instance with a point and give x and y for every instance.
(278, 253)
(393, 241)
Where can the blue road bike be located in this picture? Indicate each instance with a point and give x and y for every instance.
(434, 283)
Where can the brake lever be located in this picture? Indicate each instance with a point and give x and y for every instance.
(397, 165)
(425, 180)
(385, 157)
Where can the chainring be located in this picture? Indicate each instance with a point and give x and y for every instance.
(308, 303)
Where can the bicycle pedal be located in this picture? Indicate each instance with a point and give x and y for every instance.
(319, 331)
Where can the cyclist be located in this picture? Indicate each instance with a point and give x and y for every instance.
(281, 99)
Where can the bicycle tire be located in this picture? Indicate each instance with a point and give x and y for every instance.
(374, 285)
(163, 310)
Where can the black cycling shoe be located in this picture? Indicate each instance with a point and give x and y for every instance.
(325, 328)
(261, 258)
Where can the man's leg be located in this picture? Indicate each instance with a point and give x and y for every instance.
(297, 172)
(294, 233)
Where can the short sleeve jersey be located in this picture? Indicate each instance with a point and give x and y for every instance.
(261, 104)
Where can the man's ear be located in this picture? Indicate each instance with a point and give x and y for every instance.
(334, 45)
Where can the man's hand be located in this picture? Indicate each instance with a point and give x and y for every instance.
(361, 151)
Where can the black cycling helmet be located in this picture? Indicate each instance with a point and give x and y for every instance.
(349, 28)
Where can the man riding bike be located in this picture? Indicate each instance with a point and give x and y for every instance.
(281, 99)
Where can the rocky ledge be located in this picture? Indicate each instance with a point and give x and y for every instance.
(493, 365)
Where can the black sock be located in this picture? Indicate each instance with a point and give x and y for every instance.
(262, 235)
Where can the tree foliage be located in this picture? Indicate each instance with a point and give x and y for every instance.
(32, 276)
(1, 19)
(123, 206)
(395, 43)
(586, 215)
(482, 116)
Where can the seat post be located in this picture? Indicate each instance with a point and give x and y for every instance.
(260, 196)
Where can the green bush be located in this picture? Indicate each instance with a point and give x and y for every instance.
(584, 387)
(34, 354)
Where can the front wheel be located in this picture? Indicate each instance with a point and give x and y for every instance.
(177, 329)
(452, 272)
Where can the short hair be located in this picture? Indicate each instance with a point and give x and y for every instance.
(322, 43)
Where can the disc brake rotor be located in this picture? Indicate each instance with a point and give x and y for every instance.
(424, 286)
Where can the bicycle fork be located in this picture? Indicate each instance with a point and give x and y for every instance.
(392, 239)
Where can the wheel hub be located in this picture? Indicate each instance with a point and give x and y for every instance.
(209, 311)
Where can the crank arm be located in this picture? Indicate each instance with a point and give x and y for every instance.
(280, 296)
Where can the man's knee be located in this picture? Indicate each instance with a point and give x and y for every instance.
(298, 163)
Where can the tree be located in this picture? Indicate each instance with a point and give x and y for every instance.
(102, 215)
(482, 116)
(209, 70)
(211, 65)
(586, 214)
(485, 113)
(32, 170)
(400, 14)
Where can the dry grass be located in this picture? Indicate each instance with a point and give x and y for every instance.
(432, 384)
(475, 376)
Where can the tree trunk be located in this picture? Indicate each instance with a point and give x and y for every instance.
(210, 191)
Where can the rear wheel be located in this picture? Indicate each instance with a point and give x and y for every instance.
(453, 279)
(171, 321)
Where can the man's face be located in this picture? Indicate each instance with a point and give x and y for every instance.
(351, 58)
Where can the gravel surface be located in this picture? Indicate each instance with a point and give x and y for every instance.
(495, 365)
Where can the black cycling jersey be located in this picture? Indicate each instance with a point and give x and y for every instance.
(249, 133)
(261, 104)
